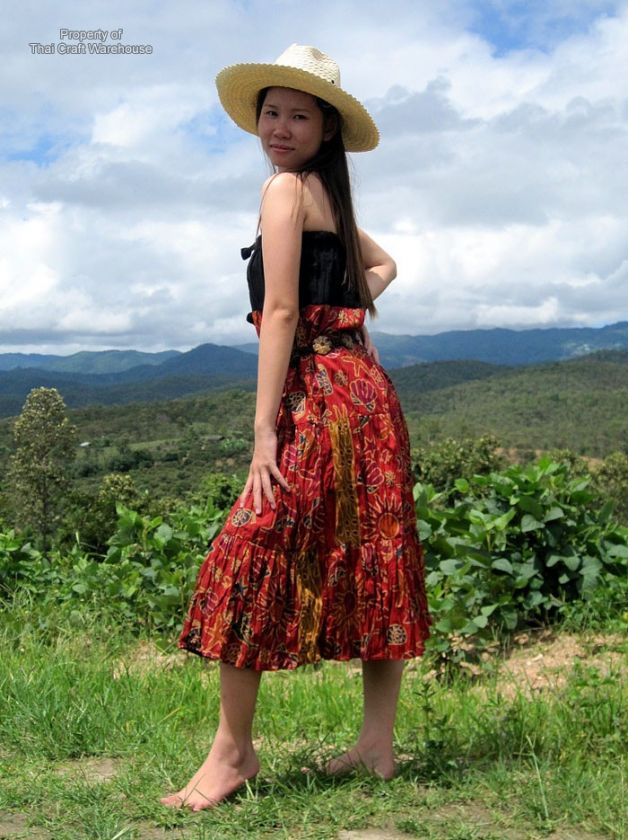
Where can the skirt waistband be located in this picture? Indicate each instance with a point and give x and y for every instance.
(324, 343)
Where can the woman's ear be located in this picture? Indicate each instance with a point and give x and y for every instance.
(330, 128)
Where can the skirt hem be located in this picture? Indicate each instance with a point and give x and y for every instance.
(292, 666)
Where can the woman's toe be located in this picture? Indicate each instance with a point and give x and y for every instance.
(174, 800)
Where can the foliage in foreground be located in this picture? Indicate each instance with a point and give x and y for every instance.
(515, 549)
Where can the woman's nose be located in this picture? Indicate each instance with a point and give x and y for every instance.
(281, 128)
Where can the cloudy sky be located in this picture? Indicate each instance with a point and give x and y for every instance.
(499, 185)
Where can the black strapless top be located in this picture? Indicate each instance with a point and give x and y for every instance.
(321, 274)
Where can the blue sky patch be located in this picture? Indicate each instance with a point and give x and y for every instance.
(533, 24)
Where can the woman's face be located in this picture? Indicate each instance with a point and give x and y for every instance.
(291, 128)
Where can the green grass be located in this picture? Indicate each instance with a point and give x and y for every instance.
(474, 761)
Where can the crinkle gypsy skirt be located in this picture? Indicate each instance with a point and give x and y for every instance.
(336, 571)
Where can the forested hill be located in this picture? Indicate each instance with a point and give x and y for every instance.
(207, 367)
(86, 361)
(214, 367)
(579, 404)
(500, 346)
(603, 369)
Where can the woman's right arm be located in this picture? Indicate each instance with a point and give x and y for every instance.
(282, 221)
(380, 268)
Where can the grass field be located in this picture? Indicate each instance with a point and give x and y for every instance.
(95, 726)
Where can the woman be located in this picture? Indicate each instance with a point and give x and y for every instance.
(324, 563)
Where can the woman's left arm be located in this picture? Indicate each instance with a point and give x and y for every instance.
(380, 270)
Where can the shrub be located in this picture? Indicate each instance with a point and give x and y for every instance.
(221, 489)
(94, 517)
(611, 480)
(146, 576)
(517, 547)
(440, 464)
(514, 548)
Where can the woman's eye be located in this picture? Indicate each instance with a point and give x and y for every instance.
(271, 113)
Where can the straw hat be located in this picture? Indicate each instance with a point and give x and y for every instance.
(303, 68)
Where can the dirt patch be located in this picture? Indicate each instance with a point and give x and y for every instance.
(145, 831)
(474, 815)
(488, 823)
(372, 834)
(543, 662)
(146, 657)
(90, 769)
(538, 661)
(16, 827)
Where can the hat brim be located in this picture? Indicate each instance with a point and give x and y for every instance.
(239, 84)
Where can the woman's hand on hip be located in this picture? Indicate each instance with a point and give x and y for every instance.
(263, 467)
(370, 348)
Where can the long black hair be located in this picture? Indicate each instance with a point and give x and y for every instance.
(330, 163)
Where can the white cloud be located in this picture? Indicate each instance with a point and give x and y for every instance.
(498, 187)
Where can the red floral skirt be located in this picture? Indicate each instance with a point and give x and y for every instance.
(336, 570)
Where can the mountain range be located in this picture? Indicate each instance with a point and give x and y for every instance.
(125, 376)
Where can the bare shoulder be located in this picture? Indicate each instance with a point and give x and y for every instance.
(282, 205)
(282, 184)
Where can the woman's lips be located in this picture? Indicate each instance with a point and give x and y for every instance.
(281, 148)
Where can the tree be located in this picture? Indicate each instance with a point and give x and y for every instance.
(45, 446)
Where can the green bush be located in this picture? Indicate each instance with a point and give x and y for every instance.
(222, 489)
(233, 446)
(126, 459)
(146, 576)
(516, 547)
(611, 480)
(19, 561)
(94, 516)
(504, 550)
(442, 463)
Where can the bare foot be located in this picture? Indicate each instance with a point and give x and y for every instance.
(375, 761)
(220, 775)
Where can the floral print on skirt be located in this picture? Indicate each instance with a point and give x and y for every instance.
(336, 571)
